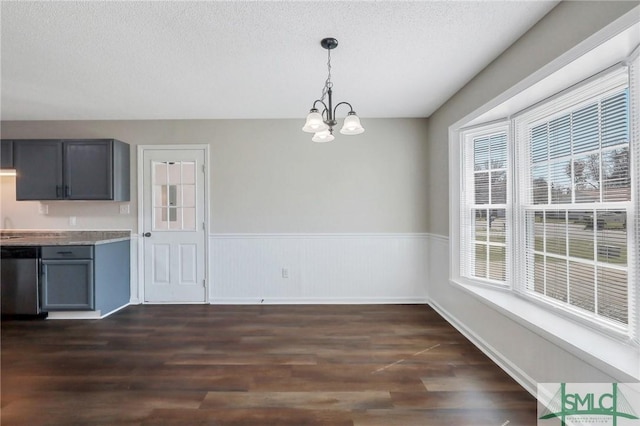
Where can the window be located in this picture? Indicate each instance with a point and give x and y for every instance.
(486, 205)
(566, 236)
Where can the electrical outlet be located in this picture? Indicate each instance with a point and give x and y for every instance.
(43, 209)
(72, 220)
(124, 209)
(285, 272)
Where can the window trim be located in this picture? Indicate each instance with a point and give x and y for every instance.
(600, 86)
(515, 127)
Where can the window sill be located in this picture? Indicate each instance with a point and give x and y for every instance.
(617, 359)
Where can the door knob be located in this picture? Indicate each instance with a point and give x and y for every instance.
(146, 234)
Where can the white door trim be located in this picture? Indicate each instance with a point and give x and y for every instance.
(140, 165)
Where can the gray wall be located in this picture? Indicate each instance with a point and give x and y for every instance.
(266, 176)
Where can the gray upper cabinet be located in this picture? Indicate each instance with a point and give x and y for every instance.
(6, 154)
(39, 169)
(87, 169)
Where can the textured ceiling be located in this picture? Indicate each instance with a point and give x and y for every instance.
(181, 60)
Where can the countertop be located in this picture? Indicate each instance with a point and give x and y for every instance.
(61, 238)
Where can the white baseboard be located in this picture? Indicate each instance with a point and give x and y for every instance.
(115, 310)
(318, 301)
(75, 315)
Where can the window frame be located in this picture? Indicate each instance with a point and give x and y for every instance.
(594, 89)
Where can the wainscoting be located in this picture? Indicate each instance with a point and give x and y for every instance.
(318, 268)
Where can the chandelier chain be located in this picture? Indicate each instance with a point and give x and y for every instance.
(327, 84)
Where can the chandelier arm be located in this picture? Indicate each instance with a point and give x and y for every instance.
(341, 103)
(319, 100)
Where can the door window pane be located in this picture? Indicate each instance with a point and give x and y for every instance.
(174, 195)
(188, 172)
(159, 173)
(189, 218)
(174, 171)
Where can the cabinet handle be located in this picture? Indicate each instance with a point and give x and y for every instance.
(67, 190)
(64, 252)
(57, 191)
(146, 234)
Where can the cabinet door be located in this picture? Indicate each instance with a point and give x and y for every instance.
(38, 169)
(88, 171)
(67, 285)
(6, 154)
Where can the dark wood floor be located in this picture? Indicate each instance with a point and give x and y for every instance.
(254, 365)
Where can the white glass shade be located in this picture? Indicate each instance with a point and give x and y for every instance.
(314, 123)
(324, 136)
(351, 125)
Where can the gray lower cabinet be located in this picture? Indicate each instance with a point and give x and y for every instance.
(73, 169)
(85, 278)
(67, 278)
(67, 285)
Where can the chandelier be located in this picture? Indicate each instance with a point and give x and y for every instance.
(321, 123)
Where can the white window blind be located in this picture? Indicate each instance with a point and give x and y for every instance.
(576, 203)
(633, 253)
(485, 217)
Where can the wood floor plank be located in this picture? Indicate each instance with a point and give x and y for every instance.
(456, 384)
(299, 400)
(245, 417)
(254, 365)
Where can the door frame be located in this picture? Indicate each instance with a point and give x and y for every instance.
(140, 188)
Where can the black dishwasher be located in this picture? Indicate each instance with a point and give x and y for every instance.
(20, 281)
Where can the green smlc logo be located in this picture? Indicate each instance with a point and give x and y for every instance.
(587, 405)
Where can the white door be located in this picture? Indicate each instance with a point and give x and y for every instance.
(173, 225)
